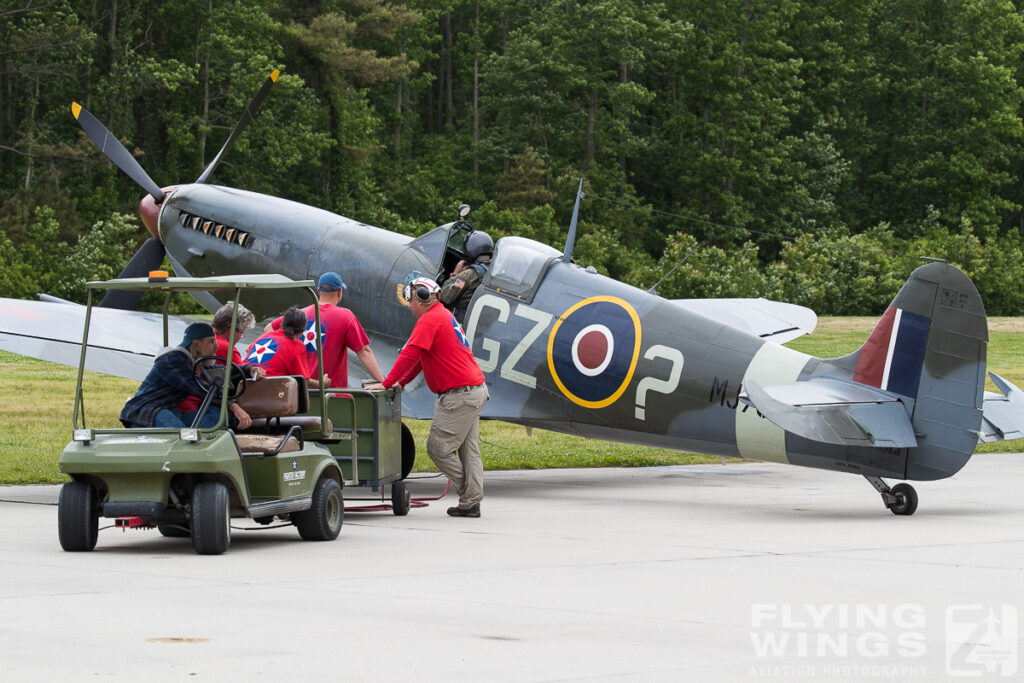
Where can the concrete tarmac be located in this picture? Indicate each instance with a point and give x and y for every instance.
(738, 572)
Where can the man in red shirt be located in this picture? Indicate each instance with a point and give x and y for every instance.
(340, 331)
(439, 348)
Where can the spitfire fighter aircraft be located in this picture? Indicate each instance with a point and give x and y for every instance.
(566, 349)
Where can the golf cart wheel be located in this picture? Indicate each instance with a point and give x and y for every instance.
(211, 523)
(77, 518)
(400, 499)
(906, 500)
(323, 520)
(173, 531)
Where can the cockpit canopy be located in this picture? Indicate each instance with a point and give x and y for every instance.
(519, 265)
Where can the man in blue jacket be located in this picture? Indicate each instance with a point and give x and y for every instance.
(170, 380)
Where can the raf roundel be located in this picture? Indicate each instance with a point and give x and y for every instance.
(593, 350)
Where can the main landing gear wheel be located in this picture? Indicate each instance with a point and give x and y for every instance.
(77, 518)
(401, 499)
(408, 451)
(901, 499)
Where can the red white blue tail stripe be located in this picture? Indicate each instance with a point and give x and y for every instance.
(893, 355)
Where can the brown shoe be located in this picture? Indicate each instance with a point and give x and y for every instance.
(472, 511)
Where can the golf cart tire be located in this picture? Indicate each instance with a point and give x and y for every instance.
(173, 531)
(211, 530)
(323, 520)
(77, 517)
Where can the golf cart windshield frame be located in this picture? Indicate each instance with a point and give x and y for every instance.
(175, 285)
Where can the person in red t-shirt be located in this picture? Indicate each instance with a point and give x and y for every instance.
(281, 352)
(222, 327)
(439, 348)
(340, 331)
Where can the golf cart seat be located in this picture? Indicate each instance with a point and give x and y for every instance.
(273, 402)
(266, 444)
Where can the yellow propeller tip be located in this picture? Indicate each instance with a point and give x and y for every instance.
(76, 109)
(274, 75)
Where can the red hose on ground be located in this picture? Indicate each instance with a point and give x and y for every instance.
(384, 507)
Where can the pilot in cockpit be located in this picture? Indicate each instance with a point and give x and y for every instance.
(458, 289)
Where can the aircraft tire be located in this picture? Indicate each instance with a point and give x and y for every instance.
(173, 531)
(77, 518)
(323, 520)
(906, 500)
(211, 523)
(400, 499)
(408, 451)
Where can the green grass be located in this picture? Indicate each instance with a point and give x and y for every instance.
(36, 402)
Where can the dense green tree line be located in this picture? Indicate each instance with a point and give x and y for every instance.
(796, 149)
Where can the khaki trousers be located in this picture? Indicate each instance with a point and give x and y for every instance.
(454, 442)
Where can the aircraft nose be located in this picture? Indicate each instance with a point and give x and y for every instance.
(149, 210)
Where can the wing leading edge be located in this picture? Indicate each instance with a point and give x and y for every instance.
(121, 343)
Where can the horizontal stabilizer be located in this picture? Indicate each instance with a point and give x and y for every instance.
(1003, 416)
(837, 412)
(773, 321)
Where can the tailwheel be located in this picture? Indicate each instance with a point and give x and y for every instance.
(906, 500)
(901, 499)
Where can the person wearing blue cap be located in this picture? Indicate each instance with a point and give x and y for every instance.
(170, 380)
(340, 331)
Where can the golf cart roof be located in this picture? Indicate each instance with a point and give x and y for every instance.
(187, 284)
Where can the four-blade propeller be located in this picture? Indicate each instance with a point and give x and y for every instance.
(151, 254)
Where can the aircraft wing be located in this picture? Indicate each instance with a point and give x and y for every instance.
(121, 343)
(774, 321)
(1003, 414)
(835, 411)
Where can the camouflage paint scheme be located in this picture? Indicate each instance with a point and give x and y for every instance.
(656, 374)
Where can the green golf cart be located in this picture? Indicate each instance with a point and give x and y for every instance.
(191, 482)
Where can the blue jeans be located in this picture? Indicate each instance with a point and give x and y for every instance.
(169, 417)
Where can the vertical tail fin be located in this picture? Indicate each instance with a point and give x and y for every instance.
(930, 347)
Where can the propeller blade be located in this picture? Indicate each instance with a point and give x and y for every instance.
(115, 151)
(247, 116)
(149, 257)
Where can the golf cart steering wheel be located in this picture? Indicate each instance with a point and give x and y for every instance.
(208, 381)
